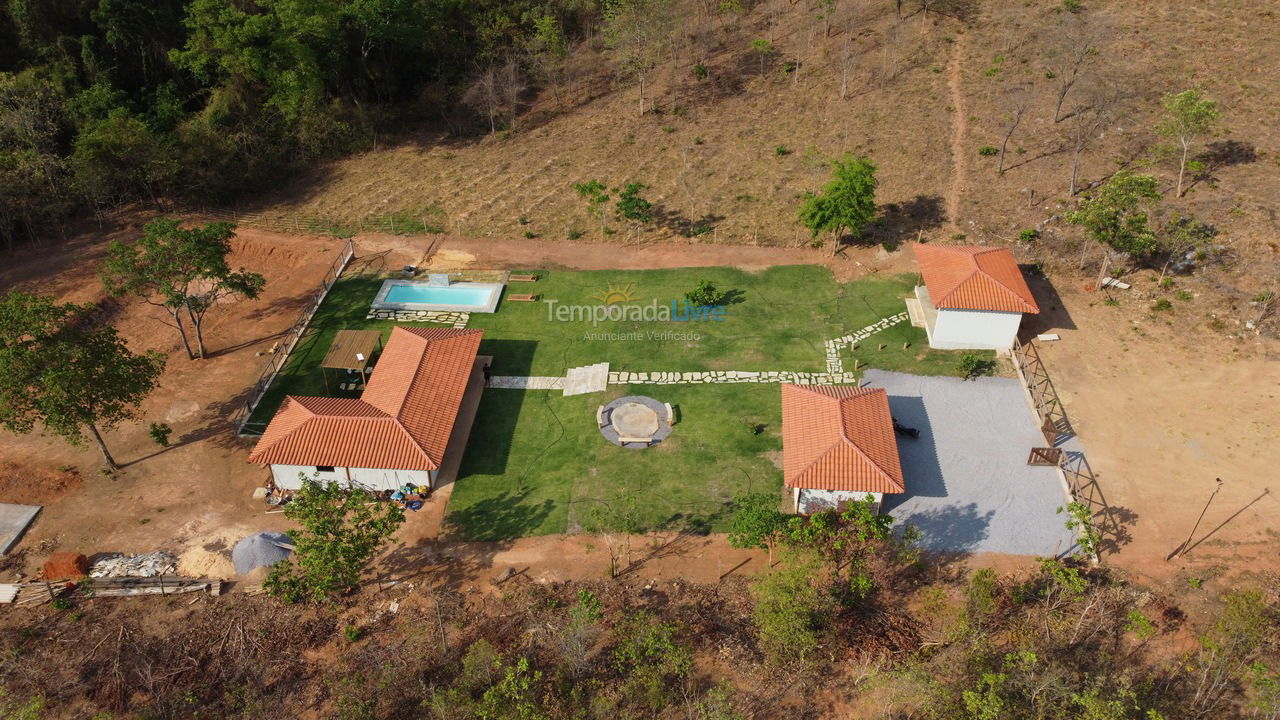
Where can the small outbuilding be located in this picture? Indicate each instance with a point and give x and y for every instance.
(838, 445)
(973, 298)
(395, 434)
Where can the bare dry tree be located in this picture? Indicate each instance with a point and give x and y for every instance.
(1019, 100)
(1069, 61)
(1102, 102)
(495, 93)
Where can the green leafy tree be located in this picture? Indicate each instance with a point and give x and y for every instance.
(848, 539)
(637, 34)
(651, 658)
(341, 530)
(792, 610)
(548, 50)
(630, 206)
(846, 204)
(184, 271)
(1188, 115)
(71, 374)
(597, 196)
(119, 158)
(756, 522)
(1183, 237)
(1115, 214)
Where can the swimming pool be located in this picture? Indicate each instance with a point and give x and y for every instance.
(458, 297)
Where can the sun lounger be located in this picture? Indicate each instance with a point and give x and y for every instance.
(522, 298)
(522, 278)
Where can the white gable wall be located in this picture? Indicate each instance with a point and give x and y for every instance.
(810, 500)
(974, 330)
(286, 477)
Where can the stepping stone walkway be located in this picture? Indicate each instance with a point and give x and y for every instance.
(727, 377)
(834, 364)
(443, 317)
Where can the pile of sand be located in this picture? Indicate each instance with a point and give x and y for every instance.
(201, 563)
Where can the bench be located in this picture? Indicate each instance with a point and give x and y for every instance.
(600, 416)
(522, 298)
(625, 440)
(671, 414)
(522, 278)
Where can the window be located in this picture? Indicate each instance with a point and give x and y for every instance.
(324, 468)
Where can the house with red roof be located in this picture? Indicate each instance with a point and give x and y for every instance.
(396, 433)
(972, 297)
(838, 445)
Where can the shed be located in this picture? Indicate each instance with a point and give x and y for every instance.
(838, 445)
(973, 298)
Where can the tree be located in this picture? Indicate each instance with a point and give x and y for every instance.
(637, 34)
(848, 539)
(1018, 104)
(341, 531)
(847, 203)
(596, 194)
(183, 271)
(548, 50)
(1183, 239)
(495, 93)
(1114, 214)
(792, 610)
(630, 206)
(1076, 50)
(1188, 115)
(756, 522)
(61, 368)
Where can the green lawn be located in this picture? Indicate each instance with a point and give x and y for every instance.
(536, 464)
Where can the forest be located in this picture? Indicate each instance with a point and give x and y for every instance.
(104, 102)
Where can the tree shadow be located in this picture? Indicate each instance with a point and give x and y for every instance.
(676, 222)
(1222, 154)
(900, 222)
(951, 528)
(506, 516)
(1053, 313)
(1114, 523)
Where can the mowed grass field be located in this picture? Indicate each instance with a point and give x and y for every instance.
(536, 463)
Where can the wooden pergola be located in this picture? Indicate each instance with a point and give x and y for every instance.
(351, 350)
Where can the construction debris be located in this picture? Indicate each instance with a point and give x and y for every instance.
(145, 565)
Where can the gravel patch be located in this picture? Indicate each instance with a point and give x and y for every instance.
(969, 488)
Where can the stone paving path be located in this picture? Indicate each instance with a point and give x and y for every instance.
(834, 364)
(444, 317)
(536, 382)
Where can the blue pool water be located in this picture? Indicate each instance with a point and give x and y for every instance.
(452, 295)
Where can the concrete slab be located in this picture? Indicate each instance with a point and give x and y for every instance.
(586, 379)
(14, 520)
(969, 488)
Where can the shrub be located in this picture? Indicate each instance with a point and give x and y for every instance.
(988, 151)
(1165, 283)
(1028, 234)
(668, 129)
(706, 295)
(700, 71)
(1185, 295)
(351, 633)
(791, 612)
(574, 234)
(1072, 6)
(1162, 305)
(698, 140)
(529, 234)
(972, 365)
(523, 220)
(160, 433)
(781, 150)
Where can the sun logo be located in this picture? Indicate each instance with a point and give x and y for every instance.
(616, 294)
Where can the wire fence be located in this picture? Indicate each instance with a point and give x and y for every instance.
(280, 351)
(429, 220)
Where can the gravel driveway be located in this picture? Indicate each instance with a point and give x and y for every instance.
(969, 488)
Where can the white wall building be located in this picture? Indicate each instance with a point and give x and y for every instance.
(395, 434)
(973, 298)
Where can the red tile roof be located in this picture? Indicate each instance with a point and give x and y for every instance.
(401, 422)
(839, 437)
(974, 278)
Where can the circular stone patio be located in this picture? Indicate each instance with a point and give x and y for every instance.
(635, 422)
